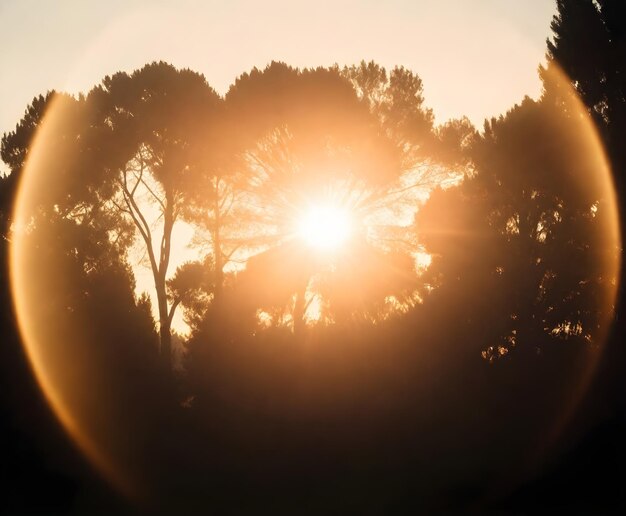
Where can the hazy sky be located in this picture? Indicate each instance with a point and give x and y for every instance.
(476, 57)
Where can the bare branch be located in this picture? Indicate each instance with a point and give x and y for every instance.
(153, 193)
(170, 315)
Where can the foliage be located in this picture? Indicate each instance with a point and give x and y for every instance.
(285, 339)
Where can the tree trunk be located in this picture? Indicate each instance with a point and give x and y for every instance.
(217, 247)
(165, 331)
(219, 266)
(298, 313)
(165, 335)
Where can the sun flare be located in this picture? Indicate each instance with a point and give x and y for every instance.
(325, 227)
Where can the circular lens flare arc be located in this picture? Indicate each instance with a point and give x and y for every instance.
(322, 227)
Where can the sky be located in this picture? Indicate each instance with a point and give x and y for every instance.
(476, 57)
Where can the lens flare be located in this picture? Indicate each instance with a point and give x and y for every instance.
(325, 227)
(80, 380)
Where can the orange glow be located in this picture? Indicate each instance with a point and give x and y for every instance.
(325, 227)
(61, 368)
(70, 373)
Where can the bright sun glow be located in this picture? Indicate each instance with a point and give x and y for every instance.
(325, 227)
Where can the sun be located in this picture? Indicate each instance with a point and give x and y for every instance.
(325, 227)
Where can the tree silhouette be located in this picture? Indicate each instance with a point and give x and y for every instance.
(505, 230)
(14, 148)
(355, 361)
(363, 137)
(152, 119)
(589, 44)
(596, 64)
(428, 156)
(193, 286)
(308, 137)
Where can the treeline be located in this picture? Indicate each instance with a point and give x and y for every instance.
(239, 169)
(143, 151)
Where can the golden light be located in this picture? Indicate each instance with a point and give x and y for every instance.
(325, 227)
(73, 373)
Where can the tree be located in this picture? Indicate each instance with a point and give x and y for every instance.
(79, 318)
(589, 45)
(148, 122)
(429, 156)
(70, 225)
(14, 149)
(533, 200)
(353, 137)
(193, 286)
(308, 140)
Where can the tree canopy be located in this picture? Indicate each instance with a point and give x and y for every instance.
(461, 252)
